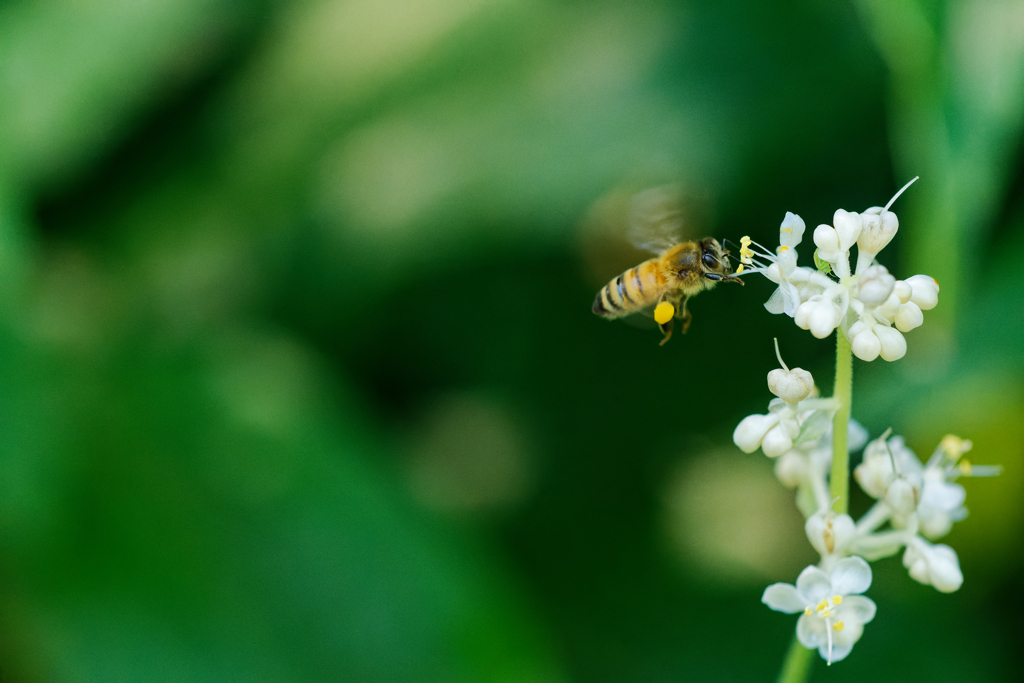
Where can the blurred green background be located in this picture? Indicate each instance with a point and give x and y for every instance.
(298, 375)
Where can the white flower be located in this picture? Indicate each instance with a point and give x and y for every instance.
(833, 610)
(779, 267)
(870, 305)
(776, 432)
(933, 565)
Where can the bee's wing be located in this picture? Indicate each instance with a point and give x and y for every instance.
(656, 218)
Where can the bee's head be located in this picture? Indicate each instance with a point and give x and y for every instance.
(713, 258)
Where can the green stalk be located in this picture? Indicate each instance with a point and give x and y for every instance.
(839, 478)
(797, 667)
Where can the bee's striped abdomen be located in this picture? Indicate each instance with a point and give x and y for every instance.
(635, 289)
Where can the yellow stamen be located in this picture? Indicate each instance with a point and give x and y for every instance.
(783, 248)
(740, 269)
(826, 612)
(965, 467)
(838, 600)
(787, 230)
(808, 611)
(838, 626)
(822, 605)
(664, 312)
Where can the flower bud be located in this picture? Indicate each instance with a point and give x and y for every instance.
(888, 309)
(925, 291)
(934, 565)
(802, 315)
(752, 429)
(865, 345)
(830, 533)
(902, 496)
(878, 230)
(791, 469)
(823, 318)
(777, 441)
(827, 241)
(908, 317)
(893, 344)
(791, 386)
(903, 290)
(875, 473)
(848, 227)
(875, 286)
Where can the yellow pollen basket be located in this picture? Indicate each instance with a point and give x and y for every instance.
(664, 312)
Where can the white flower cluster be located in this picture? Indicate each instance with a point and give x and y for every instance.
(870, 306)
(918, 502)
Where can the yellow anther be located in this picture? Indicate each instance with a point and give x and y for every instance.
(787, 229)
(838, 600)
(808, 611)
(953, 446)
(826, 612)
(965, 467)
(740, 269)
(822, 605)
(838, 626)
(664, 312)
(783, 248)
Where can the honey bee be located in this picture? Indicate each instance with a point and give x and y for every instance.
(664, 284)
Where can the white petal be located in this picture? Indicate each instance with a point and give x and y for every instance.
(839, 652)
(848, 225)
(925, 291)
(791, 386)
(857, 608)
(903, 291)
(776, 303)
(943, 495)
(823, 318)
(783, 597)
(790, 298)
(852, 576)
(791, 231)
(894, 345)
(791, 469)
(877, 232)
(810, 631)
(902, 496)
(751, 430)
(945, 569)
(909, 317)
(826, 239)
(846, 638)
(776, 442)
(814, 584)
(866, 345)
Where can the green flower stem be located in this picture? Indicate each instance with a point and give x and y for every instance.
(839, 479)
(797, 667)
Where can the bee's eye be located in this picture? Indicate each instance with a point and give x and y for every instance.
(709, 259)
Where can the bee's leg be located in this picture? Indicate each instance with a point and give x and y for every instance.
(723, 278)
(684, 315)
(666, 329)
